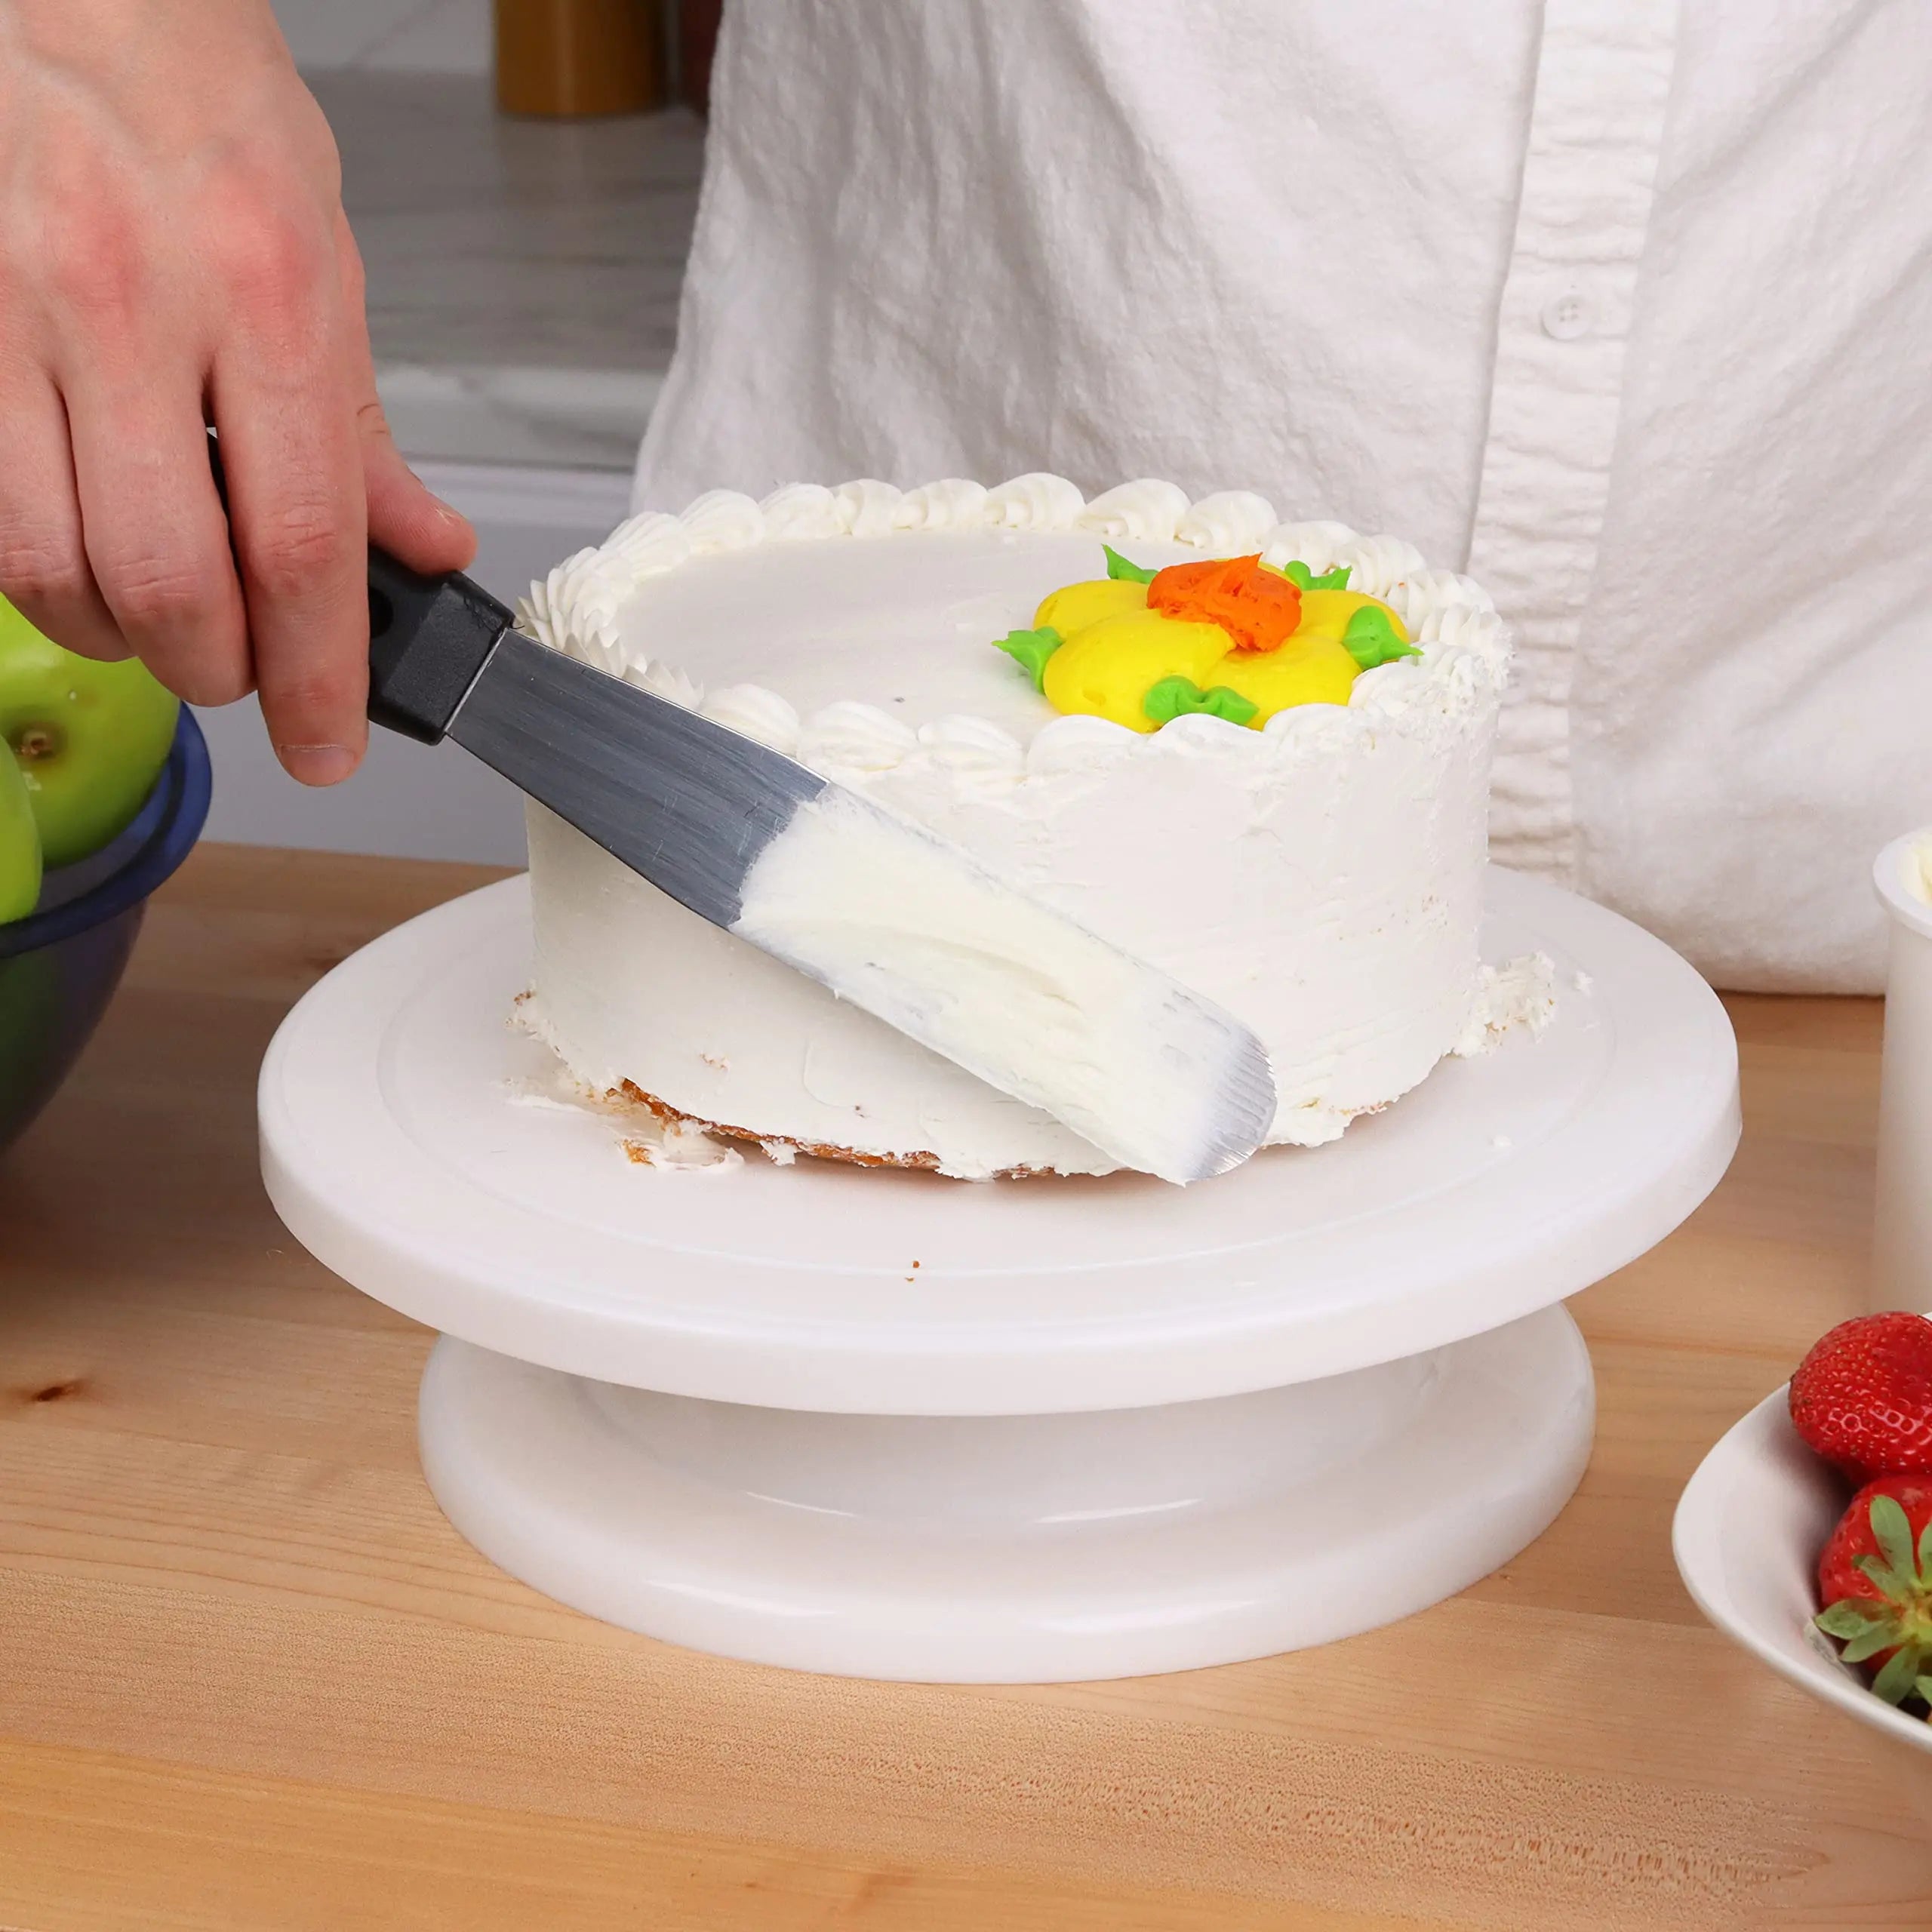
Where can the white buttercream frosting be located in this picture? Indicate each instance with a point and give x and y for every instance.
(1230, 523)
(851, 737)
(723, 520)
(1378, 565)
(871, 906)
(1198, 734)
(644, 545)
(1519, 996)
(1321, 878)
(757, 713)
(588, 606)
(867, 508)
(1316, 731)
(1391, 690)
(1136, 512)
(1466, 626)
(801, 511)
(1037, 501)
(666, 681)
(1079, 744)
(680, 1147)
(952, 503)
(974, 752)
(1317, 545)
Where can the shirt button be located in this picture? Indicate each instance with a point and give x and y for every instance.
(1566, 316)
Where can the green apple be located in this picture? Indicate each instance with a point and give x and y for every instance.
(90, 738)
(19, 846)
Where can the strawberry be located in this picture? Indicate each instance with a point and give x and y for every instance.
(1875, 1580)
(1862, 1398)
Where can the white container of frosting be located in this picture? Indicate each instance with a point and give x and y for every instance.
(1902, 1232)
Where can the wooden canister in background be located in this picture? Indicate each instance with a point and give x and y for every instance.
(578, 57)
(696, 24)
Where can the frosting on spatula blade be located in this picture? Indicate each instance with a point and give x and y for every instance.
(916, 932)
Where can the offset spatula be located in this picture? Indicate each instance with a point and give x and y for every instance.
(881, 911)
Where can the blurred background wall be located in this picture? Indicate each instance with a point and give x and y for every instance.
(428, 36)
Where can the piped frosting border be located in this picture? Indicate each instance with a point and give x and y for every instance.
(1464, 642)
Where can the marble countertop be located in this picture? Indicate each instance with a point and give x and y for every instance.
(523, 275)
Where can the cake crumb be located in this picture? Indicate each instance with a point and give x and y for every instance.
(674, 1146)
(681, 1146)
(1520, 995)
(557, 1093)
(627, 1096)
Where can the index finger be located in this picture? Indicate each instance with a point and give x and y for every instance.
(283, 406)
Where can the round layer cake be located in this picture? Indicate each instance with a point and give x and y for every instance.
(1267, 772)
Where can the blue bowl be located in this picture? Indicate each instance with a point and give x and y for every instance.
(59, 965)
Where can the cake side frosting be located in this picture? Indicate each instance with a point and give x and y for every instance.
(1321, 876)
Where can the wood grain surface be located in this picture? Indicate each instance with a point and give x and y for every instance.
(250, 1679)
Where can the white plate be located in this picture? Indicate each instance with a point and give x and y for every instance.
(1749, 1530)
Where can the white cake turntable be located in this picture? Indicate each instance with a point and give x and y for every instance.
(892, 1426)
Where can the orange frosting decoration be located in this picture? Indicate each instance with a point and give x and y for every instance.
(1258, 608)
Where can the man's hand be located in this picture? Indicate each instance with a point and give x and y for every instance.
(173, 251)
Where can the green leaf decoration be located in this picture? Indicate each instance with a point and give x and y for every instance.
(1925, 1548)
(1031, 649)
(1177, 697)
(1298, 573)
(1892, 1528)
(1120, 569)
(1924, 1688)
(1900, 1677)
(1370, 639)
(1852, 1617)
(1223, 702)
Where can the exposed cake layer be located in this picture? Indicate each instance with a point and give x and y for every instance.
(1321, 877)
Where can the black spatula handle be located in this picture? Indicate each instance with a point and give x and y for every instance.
(429, 637)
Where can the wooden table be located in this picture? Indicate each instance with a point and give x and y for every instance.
(250, 1679)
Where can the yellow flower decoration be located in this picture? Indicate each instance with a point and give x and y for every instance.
(1226, 637)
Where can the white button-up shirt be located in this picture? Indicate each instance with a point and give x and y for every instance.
(1624, 305)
